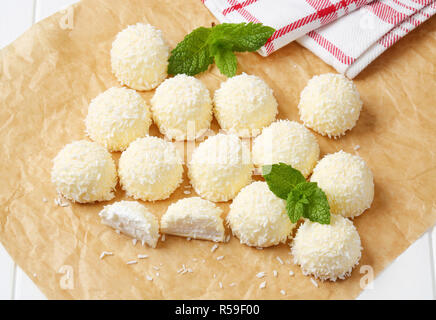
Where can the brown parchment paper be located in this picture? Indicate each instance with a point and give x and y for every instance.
(49, 75)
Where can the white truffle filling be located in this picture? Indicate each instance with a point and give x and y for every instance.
(132, 219)
(194, 218)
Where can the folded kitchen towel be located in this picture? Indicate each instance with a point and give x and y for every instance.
(349, 44)
(291, 18)
(354, 41)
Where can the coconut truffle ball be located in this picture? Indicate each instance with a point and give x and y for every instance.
(150, 169)
(258, 217)
(195, 218)
(132, 219)
(84, 171)
(288, 142)
(117, 117)
(139, 57)
(347, 182)
(330, 104)
(327, 251)
(244, 104)
(182, 108)
(220, 167)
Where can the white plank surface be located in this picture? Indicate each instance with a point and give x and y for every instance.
(25, 289)
(7, 269)
(408, 277)
(15, 18)
(45, 8)
(411, 276)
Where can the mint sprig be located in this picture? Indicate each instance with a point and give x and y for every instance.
(203, 46)
(191, 56)
(282, 178)
(303, 199)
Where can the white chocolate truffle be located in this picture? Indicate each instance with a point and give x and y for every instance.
(117, 117)
(84, 171)
(327, 251)
(288, 142)
(182, 108)
(139, 57)
(244, 105)
(258, 217)
(194, 218)
(132, 219)
(330, 104)
(347, 182)
(150, 169)
(220, 167)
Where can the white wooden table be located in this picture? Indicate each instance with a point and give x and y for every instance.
(411, 276)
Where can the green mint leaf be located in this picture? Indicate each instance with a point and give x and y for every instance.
(191, 55)
(226, 61)
(202, 46)
(243, 36)
(294, 209)
(309, 201)
(318, 208)
(282, 179)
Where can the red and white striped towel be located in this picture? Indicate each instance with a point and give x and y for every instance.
(349, 44)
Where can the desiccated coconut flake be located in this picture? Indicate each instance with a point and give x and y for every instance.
(291, 273)
(149, 278)
(260, 274)
(283, 292)
(220, 258)
(314, 282)
(106, 253)
(132, 262)
(215, 246)
(142, 256)
(279, 260)
(275, 273)
(262, 285)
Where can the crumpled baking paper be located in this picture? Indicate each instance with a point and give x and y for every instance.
(47, 79)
